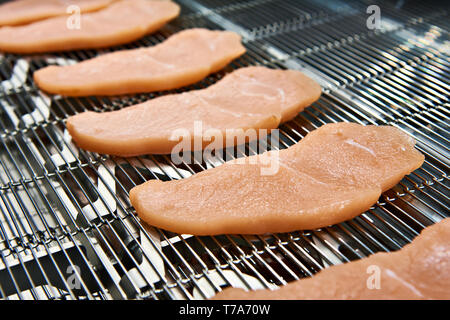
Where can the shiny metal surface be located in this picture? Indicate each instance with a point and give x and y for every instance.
(68, 231)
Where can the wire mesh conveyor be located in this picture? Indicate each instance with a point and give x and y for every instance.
(68, 231)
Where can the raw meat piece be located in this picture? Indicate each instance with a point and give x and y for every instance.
(26, 11)
(253, 97)
(333, 174)
(420, 270)
(184, 58)
(121, 22)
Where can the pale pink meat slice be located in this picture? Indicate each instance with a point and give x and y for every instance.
(25, 11)
(248, 98)
(184, 58)
(121, 22)
(420, 270)
(333, 174)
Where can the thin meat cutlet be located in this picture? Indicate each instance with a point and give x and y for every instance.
(184, 58)
(249, 98)
(333, 174)
(420, 270)
(25, 11)
(121, 22)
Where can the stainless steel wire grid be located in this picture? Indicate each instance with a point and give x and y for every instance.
(68, 231)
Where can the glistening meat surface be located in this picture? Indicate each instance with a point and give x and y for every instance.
(248, 98)
(184, 58)
(333, 174)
